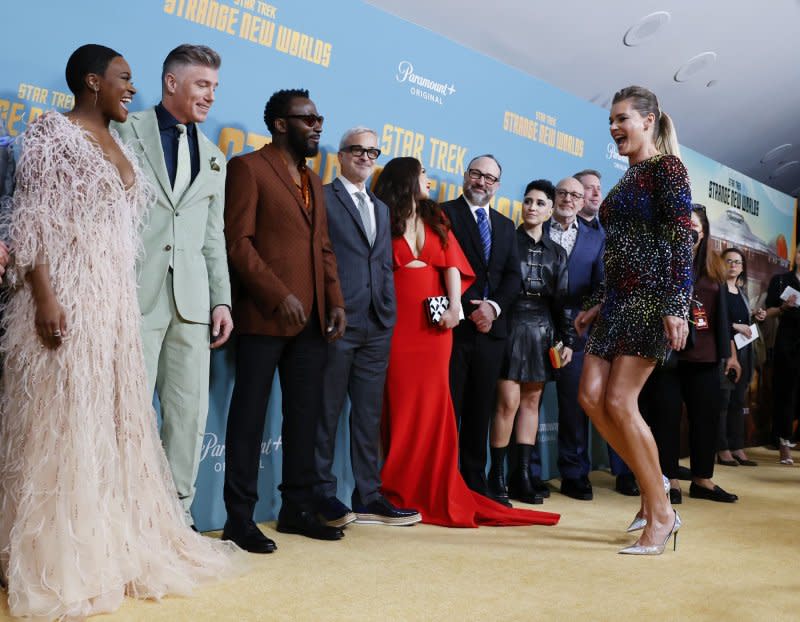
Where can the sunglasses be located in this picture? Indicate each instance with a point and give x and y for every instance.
(310, 120)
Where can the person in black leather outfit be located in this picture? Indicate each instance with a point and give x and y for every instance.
(537, 321)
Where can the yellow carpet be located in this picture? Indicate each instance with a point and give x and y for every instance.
(734, 562)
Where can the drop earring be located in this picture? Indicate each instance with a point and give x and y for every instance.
(96, 91)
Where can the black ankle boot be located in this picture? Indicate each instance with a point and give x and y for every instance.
(522, 487)
(497, 479)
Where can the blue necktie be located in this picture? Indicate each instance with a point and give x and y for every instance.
(486, 234)
(486, 242)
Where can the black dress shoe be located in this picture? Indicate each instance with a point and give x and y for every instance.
(626, 485)
(305, 523)
(334, 513)
(727, 462)
(675, 496)
(745, 461)
(521, 487)
(540, 488)
(684, 473)
(578, 488)
(498, 491)
(382, 512)
(248, 536)
(476, 482)
(715, 494)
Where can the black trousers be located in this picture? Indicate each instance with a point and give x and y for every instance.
(474, 370)
(300, 361)
(701, 392)
(660, 404)
(785, 387)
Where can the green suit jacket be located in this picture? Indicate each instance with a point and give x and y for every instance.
(187, 231)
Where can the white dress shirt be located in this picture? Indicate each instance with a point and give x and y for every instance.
(352, 189)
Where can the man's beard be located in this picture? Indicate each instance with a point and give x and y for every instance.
(302, 147)
(477, 199)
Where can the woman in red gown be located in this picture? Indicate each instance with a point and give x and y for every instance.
(419, 428)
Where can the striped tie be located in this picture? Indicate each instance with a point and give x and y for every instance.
(486, 242)
(486, 234)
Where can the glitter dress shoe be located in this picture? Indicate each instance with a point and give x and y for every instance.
(640, 521)
(248, 536)
(656, 549)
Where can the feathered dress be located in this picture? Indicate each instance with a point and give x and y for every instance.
(88, 510)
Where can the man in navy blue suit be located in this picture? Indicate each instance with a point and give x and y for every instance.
(489, 243)
(584, 246)
(592, 198)
(359, 229)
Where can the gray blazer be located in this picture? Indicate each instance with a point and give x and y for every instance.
(365, 273)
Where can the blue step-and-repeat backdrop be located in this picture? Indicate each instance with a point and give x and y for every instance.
(424, 95)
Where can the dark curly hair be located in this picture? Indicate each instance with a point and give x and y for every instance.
(278, 105)
(398, 187)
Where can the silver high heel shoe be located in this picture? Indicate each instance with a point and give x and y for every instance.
(656, 549)
(639, 522)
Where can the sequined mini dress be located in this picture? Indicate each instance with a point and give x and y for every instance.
(648, 260)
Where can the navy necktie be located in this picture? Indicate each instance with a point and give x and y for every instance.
(486, 234)
(486, 242)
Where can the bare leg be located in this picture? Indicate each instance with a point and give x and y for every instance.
(528, 418)
(608, 393)
(508, 396)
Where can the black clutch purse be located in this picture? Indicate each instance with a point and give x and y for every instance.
(435, 306)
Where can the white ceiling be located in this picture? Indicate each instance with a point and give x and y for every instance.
(751, 106)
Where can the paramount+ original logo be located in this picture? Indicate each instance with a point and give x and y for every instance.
(422, 86)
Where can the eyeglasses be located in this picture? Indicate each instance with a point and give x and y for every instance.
(358, 151)
(733, 262)
(309, 119)
(475, 174)
(563, 194)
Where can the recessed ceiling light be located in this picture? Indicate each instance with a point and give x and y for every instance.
(695, 65)
(783, 168)
(773, 154)
(646, 28)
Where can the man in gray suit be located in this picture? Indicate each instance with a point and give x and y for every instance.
(359, 229)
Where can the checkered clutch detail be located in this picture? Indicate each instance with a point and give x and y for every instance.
(435, 306)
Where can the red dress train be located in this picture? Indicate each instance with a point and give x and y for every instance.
(419, 427)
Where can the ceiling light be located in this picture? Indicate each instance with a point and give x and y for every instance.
(695, 65)
(783, 168)
(773, 154)
(646, 28)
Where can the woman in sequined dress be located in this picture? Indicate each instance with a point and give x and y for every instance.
(536, 321)
(642, 311)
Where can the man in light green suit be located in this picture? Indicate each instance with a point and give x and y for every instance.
(184, 288)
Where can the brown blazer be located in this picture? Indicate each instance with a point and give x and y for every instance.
(275, 246)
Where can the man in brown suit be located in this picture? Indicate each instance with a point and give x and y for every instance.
(286, 302)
